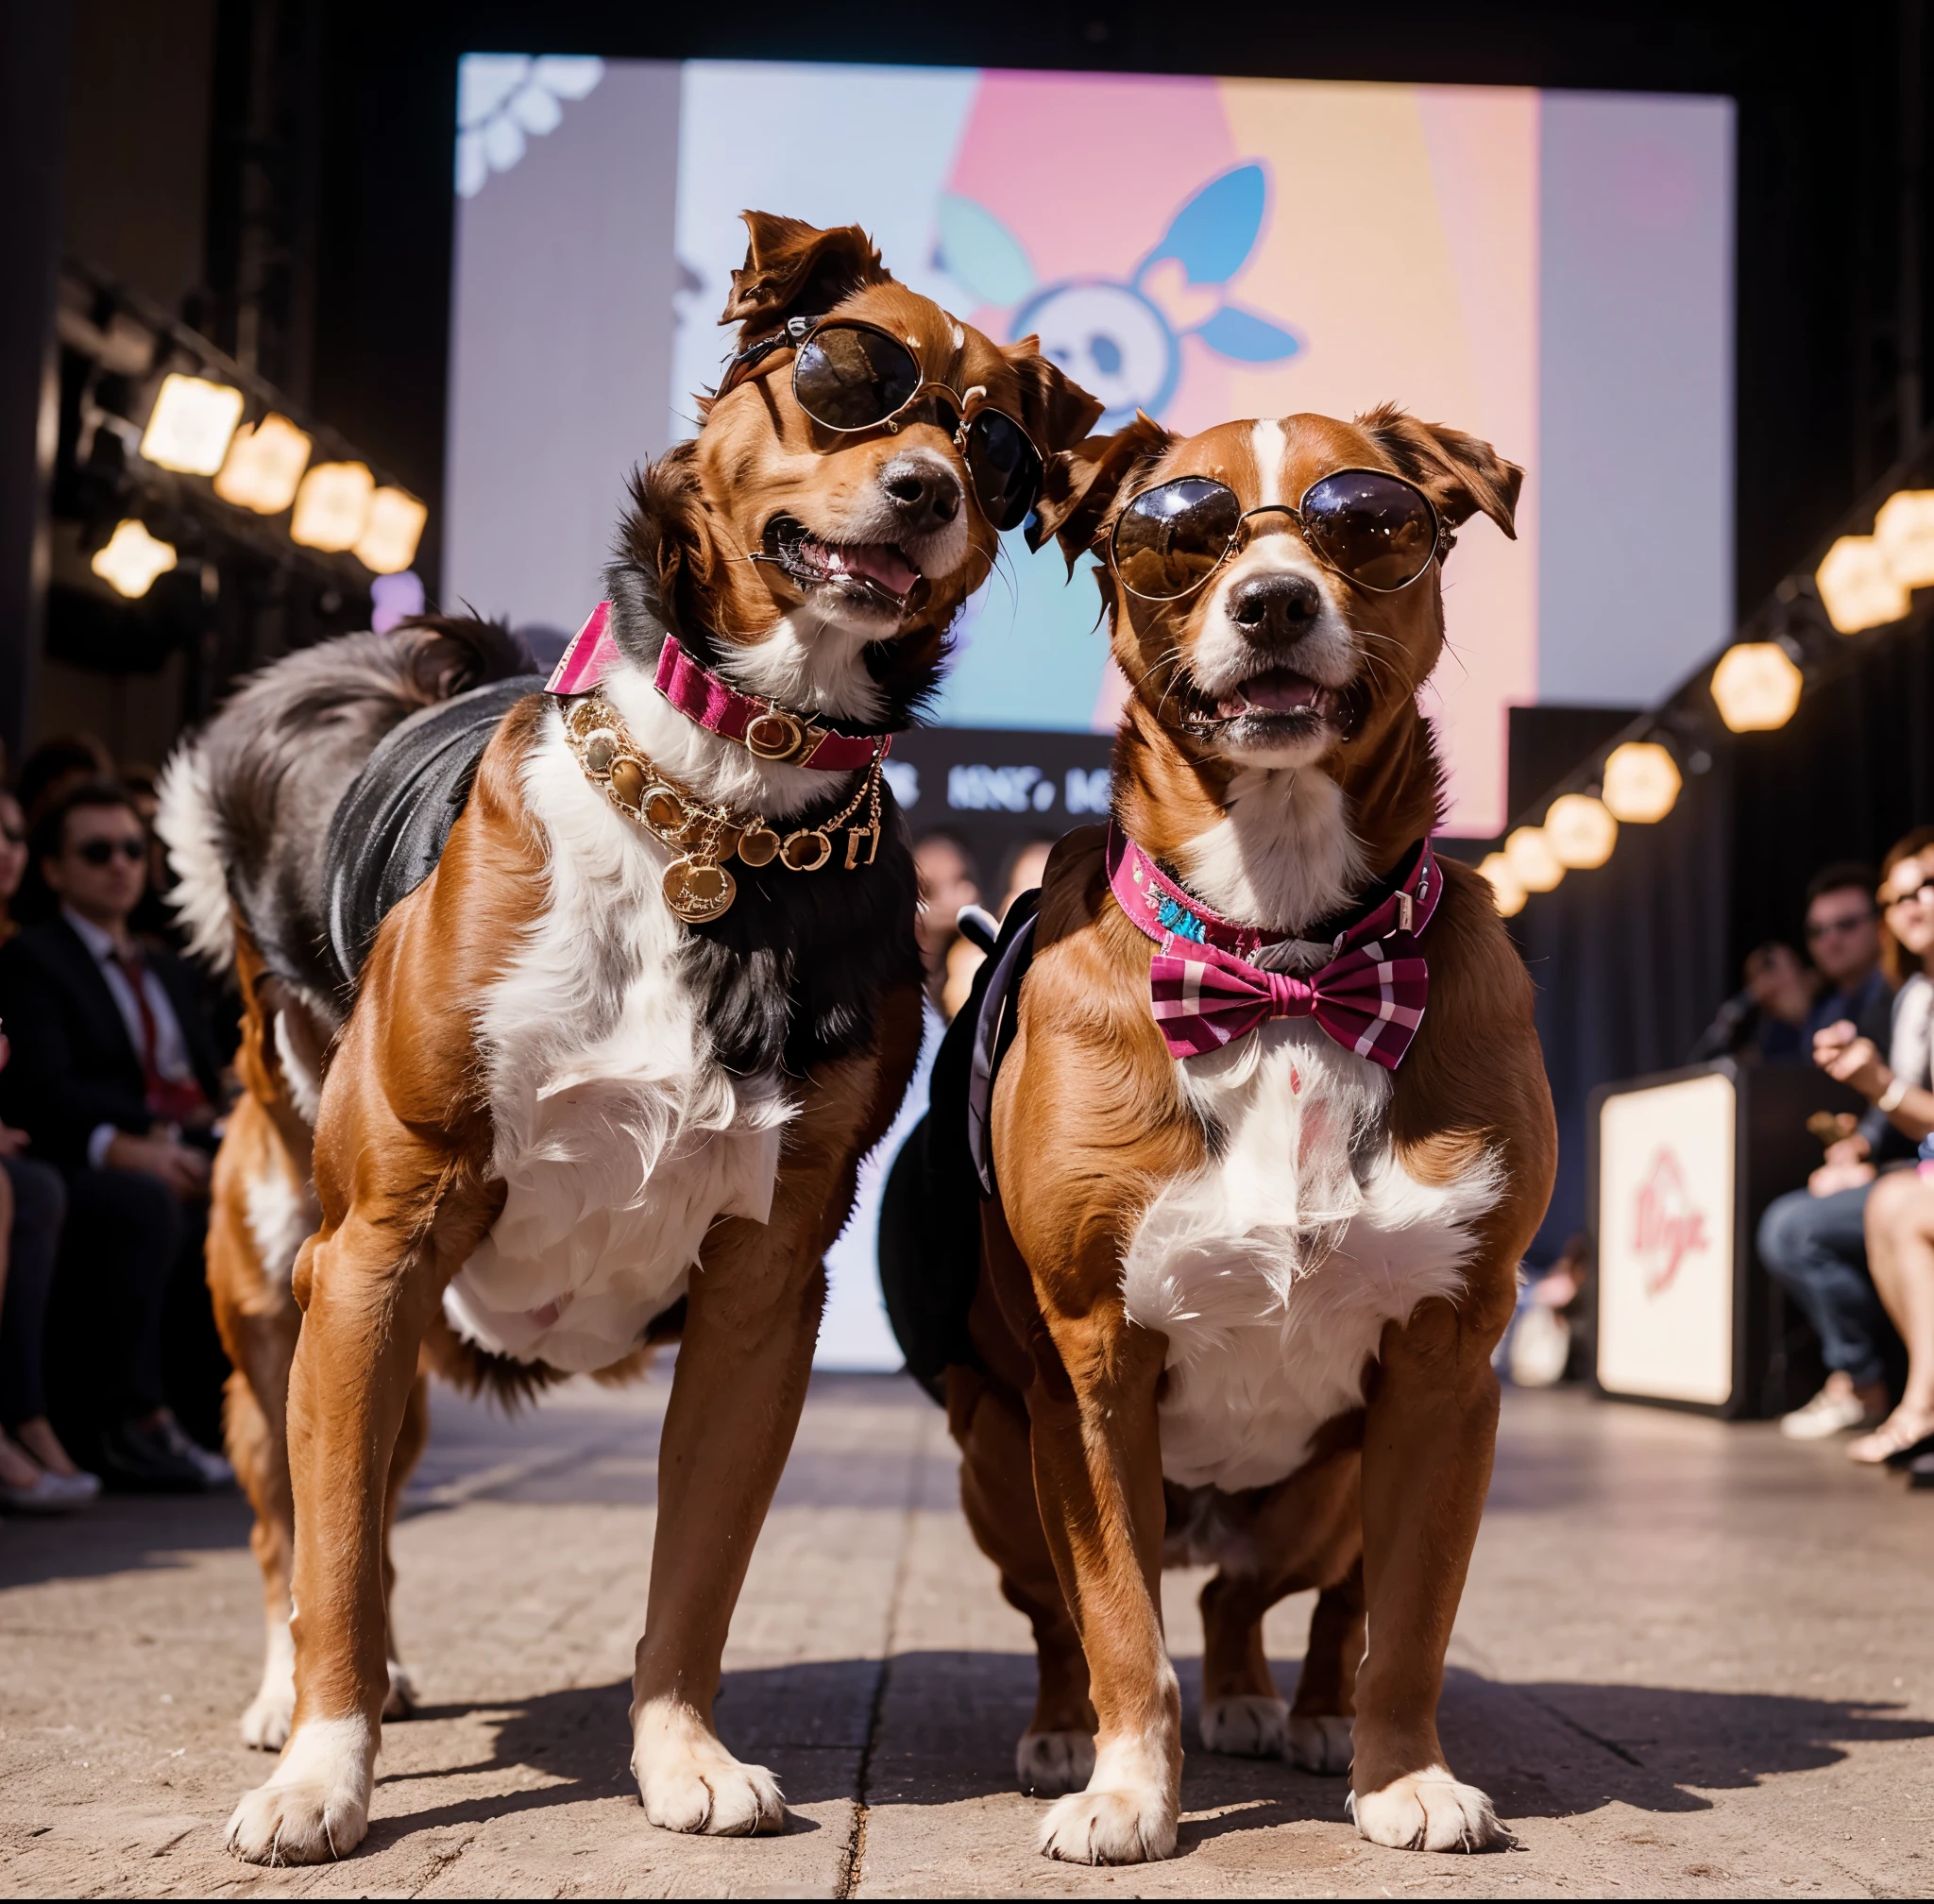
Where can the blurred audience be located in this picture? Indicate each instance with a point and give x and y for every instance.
(1766, 1018)
(116, 1076)
(948, 880)
(1814, 1241)
(1843, 940)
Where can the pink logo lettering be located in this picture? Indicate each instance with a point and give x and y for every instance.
(1666, 1228)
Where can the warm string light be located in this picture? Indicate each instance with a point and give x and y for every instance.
(1533, 863)
(189, 428)
(1581, 832)
(264, 465)
(332, 506)
(1756, 687)
(131, 559)
(388, 544)
(1507, 895)
(1640, 783)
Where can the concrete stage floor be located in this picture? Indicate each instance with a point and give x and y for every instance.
(1692, 1660)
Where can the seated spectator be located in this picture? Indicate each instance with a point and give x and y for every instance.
(1814, 1241)
(12, 861)
(1843, 940)
(113, 1072)
(948, 880)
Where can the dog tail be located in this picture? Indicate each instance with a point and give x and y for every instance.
(247, 804)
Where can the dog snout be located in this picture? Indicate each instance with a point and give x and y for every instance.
(925, 492)
(1276, 609)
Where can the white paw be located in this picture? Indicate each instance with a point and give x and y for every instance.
(1130, 1811)
(1048, 1764)
(1320, 1743)
(401, 1700)
(1429, 1811)
(1245, 1727)
(689, 1782)
(316, 1806)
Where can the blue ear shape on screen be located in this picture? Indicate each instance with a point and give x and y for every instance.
(1215, 231)
(979, 253)
(1242, 335)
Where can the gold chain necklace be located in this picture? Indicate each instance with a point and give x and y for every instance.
(697, 887)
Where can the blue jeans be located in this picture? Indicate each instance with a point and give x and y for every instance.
(1816, 1248)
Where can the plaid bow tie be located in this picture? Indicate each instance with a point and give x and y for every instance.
(1369, 998)
(1369, 1003)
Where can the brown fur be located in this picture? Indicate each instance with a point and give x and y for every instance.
(1088, 1124)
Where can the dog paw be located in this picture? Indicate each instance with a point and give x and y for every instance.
(1246, 1725)
(270, 1715)
(401, 1700)
(1110, 1827)
(316, 1806)
(1048, 1764)
(1320, 1742)
(689, 1782)
(1430, 1812)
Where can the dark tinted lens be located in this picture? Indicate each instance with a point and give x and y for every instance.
(1170, 539)
(1375, 529)
(849, 379)
(1006, 470)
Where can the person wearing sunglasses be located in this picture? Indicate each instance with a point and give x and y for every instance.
(115, 1074)
(1814, 1241)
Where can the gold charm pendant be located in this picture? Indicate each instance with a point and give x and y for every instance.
(758, 846)
(698, 890)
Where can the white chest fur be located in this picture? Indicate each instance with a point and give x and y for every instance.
(618, 1138)
(1273, 1269)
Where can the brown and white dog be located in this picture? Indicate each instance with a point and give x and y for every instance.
(1238, 1308)
(552, 1119)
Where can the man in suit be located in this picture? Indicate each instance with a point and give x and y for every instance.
(116, 1078)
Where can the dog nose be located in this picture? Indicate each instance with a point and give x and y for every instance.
(1276, 608)
(925, 492)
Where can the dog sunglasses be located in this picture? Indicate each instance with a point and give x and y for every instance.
(851, 377)
(1373, 529)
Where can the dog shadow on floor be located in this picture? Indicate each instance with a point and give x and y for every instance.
(941, 1728)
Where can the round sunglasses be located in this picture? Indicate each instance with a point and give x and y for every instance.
(1373, 529)
(851, 377)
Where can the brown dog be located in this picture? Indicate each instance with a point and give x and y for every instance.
(1237, 1308)
(581, 1086)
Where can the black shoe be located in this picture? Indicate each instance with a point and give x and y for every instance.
(1905, 1457)
(1920, 1471)
(146, 1459)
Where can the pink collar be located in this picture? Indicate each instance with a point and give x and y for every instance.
(700, 695)
(1160, 907)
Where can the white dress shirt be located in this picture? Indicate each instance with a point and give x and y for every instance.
(171, 1047)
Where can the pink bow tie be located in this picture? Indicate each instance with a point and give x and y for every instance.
(1369, 998)
(1369, 1003)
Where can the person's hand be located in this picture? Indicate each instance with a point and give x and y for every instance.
(1850, 1148)
(183, 1170)
(1830, 1179)
(1845, 1056)
(12, 1142)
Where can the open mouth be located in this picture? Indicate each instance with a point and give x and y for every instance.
(878, 572)
(1279, 701)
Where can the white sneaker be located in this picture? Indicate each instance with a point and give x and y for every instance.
(1831, 1412)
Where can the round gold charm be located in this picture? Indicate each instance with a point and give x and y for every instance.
(773, 736)
(697, 891)
(628, 781)
(794, 854)
(759, 846)
(662, 810)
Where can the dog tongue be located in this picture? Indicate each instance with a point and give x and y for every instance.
(877, 561)
(1283, 690)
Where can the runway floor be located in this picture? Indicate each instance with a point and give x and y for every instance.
(1692, 1660)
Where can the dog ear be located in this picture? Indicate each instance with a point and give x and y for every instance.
(1057, 411)
(1460, 474)
(793, 267)
(1081, 485)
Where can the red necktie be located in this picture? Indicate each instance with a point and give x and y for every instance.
(168, 1098)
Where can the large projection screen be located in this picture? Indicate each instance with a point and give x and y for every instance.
(1549, 270)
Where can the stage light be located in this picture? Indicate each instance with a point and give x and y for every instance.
(1507, 895)
(265, 464)
(189, 428)
(1535, 866)
(1756, 687)
(396, 523)
(1641, 781)
(1581, 832)
(1857, 586)
(131, 559)
(332, 505)
(1905, 529)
